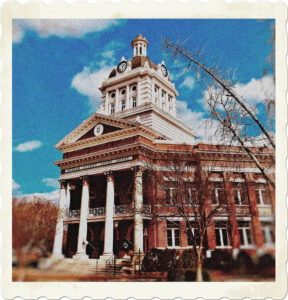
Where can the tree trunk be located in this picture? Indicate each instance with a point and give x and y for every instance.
(199, 276)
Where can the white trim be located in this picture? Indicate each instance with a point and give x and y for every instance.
(266, 219)
(237, 170)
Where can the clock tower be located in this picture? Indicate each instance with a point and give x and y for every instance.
(137, 89)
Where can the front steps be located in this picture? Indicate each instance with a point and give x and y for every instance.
(87, 266)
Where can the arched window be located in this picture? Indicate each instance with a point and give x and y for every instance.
(140, 50)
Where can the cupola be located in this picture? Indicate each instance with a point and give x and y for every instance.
(139, 45)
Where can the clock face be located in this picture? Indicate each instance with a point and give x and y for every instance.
(164, 70)
(122, 66)
(98, 130)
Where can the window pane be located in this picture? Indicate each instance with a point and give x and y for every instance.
(218, 239)
(177, 237)
(225, 239)
(236, 198)
(248, 236)
(169, 237)
(258, 197)
(241, 236)
(265, 197)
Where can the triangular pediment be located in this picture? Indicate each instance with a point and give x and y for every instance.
(87, 130)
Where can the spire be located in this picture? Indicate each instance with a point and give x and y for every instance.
(139, 45)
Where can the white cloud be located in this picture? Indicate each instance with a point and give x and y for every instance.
(28, 146)
(52, 196)
(51, 182)
(60, 27)
(188, 82)
(197, 122)
(257, 90)
(87, 82)
(15, 185)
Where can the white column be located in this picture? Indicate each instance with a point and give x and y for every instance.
(57, 247)
(68, 197)
(117, 102)
(153, 92)
(138, 214)
(82, 234)
(107, 103)
(108, 235)
(127, 97)
(160, 98)
(138, 93)
(166, 102)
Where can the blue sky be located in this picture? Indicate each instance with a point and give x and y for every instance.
(58, 66)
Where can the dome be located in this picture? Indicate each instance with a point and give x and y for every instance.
(139, 37)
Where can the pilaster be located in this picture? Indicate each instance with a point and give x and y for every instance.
(138, 93)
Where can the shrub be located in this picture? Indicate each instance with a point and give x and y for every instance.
(220, 260)
(159, 260)
(244, 263)
(266, 261)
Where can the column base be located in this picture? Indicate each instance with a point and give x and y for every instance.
(57, 256)
(80, 256)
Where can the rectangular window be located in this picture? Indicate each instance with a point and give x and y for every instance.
(122, 105)
(171, 195)
(112, 109)
(173, 234)
(134, 102)
(194, 235)
(218, 194)
(240, 195)
(245, 233)
(191, 196)
(262, 195)
(221, 234)
(268, 233)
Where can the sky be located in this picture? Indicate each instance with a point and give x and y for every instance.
(58, 66)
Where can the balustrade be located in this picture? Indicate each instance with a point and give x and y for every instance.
(100, 211)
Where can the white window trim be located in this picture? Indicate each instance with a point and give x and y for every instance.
(173, 237)
(221, 237)
(245, 237)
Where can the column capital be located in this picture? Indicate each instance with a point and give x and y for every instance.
(138, 171)
(63, 183)
(109, 175)
(85, 180)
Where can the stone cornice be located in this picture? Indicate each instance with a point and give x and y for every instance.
(150, 106)
(109, 137)
(140, 71)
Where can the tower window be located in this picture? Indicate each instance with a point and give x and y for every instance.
(113, 95)
(123, 92)
(134, 102)
(123, 105)
(140, 50)
(162, 94)
(112, 108)
(134, 88)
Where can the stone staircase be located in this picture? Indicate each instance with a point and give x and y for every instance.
(87, 266)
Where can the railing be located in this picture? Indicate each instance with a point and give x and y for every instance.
(97, 211)
(73, 213)
(122, 209)
(100, 211)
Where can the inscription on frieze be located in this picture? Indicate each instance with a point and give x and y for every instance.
(100, 164)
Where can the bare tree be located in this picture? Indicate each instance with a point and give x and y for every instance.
(188, 194)
(236, 118)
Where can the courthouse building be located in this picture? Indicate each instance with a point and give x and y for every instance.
(111, 206)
